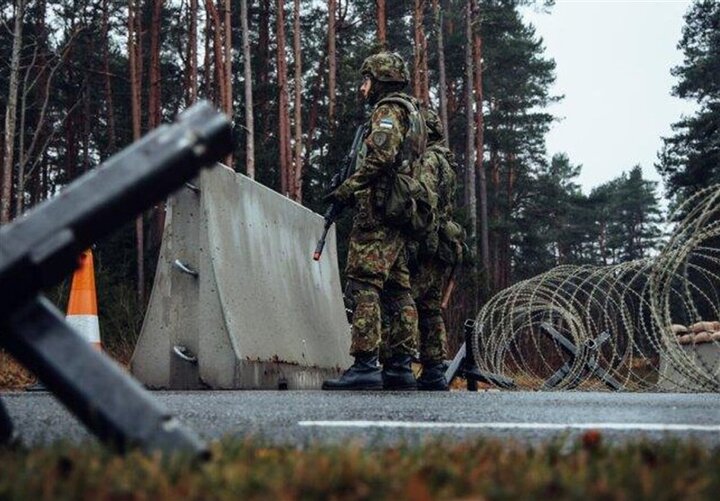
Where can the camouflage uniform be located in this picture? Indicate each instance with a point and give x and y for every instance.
(378, 278)
(428, 281)
(377, 269)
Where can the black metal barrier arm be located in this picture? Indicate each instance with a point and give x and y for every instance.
(39, 249)
(464, 365)
(6, 427)
(588, 355)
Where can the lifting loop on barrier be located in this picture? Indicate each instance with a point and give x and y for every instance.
(185, 268)
(184, 353)
(192, 187)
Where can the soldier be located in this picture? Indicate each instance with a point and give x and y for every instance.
(434, 256)
(377, 271)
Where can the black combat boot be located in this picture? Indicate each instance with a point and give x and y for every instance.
(432, 377)
(364, 374)
(397, 374)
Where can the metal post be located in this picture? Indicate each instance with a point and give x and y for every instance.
(463, 365)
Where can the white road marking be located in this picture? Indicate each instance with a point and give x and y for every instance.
(515, 426)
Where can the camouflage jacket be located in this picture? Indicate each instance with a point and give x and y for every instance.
(382, 149)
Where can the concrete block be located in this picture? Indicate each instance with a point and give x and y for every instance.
(251, 310)
(696, 367)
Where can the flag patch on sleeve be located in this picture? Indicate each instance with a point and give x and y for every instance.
(386, 123)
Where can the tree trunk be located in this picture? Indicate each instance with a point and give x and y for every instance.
(135, 61)
(192, 73)
(479, 140)
(153, 118)
(86, 124)
(10, 113)
(20, 190)
(217, 46)
(249, 120)
(470, 193)
(420, 74)
(283, 119)
(210, 90)
(381, 23)
(298, 163)
(227, 32)
(154, 115)
(495, 215)
(332, 63)
(228, 71)
(263, 71)
(313, 115)
(507, 261)
(442, 84)
(110, 112)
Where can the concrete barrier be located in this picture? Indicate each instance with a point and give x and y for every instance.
(696, 368)
(238, 302)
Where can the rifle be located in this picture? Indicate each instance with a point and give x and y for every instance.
(336, 208)
(39, 249)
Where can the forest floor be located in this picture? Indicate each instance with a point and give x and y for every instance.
(14, 376)
(481, 469)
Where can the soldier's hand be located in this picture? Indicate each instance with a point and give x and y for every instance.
(338, 196)
(329, 198)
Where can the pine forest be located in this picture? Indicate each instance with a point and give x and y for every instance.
(81, 79)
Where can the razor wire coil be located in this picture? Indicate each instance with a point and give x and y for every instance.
(626, 318)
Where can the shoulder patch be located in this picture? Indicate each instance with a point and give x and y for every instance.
(386, 123)
(379, 138)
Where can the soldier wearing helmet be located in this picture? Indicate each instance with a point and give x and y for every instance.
(378, 278)
(434, 256)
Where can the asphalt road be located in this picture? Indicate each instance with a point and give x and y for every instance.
(306, 417)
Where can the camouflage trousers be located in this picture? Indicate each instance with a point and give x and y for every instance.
(427, 288)
(378, 280)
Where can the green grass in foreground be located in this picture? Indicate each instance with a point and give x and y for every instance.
(477, 470)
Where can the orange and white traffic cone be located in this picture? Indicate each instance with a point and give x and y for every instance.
(82, 307)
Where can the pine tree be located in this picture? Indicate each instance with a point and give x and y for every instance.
(690, 158)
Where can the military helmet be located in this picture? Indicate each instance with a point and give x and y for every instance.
(434, 125)
(386, 67)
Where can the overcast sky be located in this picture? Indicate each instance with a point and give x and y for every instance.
(613, 67)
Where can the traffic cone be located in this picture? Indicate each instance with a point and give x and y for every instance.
(82, 307)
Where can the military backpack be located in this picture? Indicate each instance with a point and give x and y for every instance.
(450, 234)
(408, 203)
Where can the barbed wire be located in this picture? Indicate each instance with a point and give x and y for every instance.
(645, 325)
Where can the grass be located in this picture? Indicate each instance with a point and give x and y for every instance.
(476, 470)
